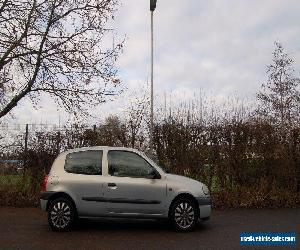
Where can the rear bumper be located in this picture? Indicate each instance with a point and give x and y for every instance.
(45, 196)
(204, 207)
(43, 204)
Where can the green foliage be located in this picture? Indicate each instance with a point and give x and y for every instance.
(18, 190)
(9, 179)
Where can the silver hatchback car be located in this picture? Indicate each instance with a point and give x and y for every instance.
(119, 182)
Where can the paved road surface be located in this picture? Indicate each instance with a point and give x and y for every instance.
(27, 228)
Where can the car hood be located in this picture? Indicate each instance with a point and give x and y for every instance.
(182, 180)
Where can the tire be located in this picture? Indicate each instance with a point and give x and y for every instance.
(61, 215)
(184, 214)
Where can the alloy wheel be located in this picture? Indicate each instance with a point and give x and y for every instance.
(184, 215)
(60, 215)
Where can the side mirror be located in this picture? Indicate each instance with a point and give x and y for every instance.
(153, 174)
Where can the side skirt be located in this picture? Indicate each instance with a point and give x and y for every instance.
(121, 200)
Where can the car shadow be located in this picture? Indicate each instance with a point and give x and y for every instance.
(133, 225)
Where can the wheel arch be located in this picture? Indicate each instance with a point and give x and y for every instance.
(184, 195)
(57, 195)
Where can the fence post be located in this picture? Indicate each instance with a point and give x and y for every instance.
(58, 142)
(25, 150)
(26, 138)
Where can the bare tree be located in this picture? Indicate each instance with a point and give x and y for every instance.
(280, 96)
(57, 47)
(137, 114)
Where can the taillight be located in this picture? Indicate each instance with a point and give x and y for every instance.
(44, 184)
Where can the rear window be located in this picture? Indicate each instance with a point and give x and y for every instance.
(84, 162)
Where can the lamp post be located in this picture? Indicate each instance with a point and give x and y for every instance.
(152, 8)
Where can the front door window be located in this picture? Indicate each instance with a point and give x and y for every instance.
(128, 164)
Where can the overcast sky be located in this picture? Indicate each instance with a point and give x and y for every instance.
(219, 47)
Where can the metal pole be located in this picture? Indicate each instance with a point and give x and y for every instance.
(151, 114)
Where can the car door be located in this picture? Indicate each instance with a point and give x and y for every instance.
(133, 186)
(84, 181)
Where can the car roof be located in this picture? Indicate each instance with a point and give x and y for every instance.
(99, 148)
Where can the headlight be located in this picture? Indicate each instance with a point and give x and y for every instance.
(205, 190)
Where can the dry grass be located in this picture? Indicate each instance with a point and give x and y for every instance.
(18, 191)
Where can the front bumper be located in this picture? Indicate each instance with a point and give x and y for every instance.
(204, 207)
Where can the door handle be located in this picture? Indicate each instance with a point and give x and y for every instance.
(111, 184)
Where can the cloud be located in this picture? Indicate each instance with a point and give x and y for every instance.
(221, 47)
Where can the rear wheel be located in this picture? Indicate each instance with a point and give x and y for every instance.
(61, 214)
(184, 214)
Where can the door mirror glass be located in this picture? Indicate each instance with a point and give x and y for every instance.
(153, 174)
(167, 171)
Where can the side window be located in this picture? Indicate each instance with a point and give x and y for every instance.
(84, 162)
(128, 164)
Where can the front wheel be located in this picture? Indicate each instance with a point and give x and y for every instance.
(184, 214)
(61, 214)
